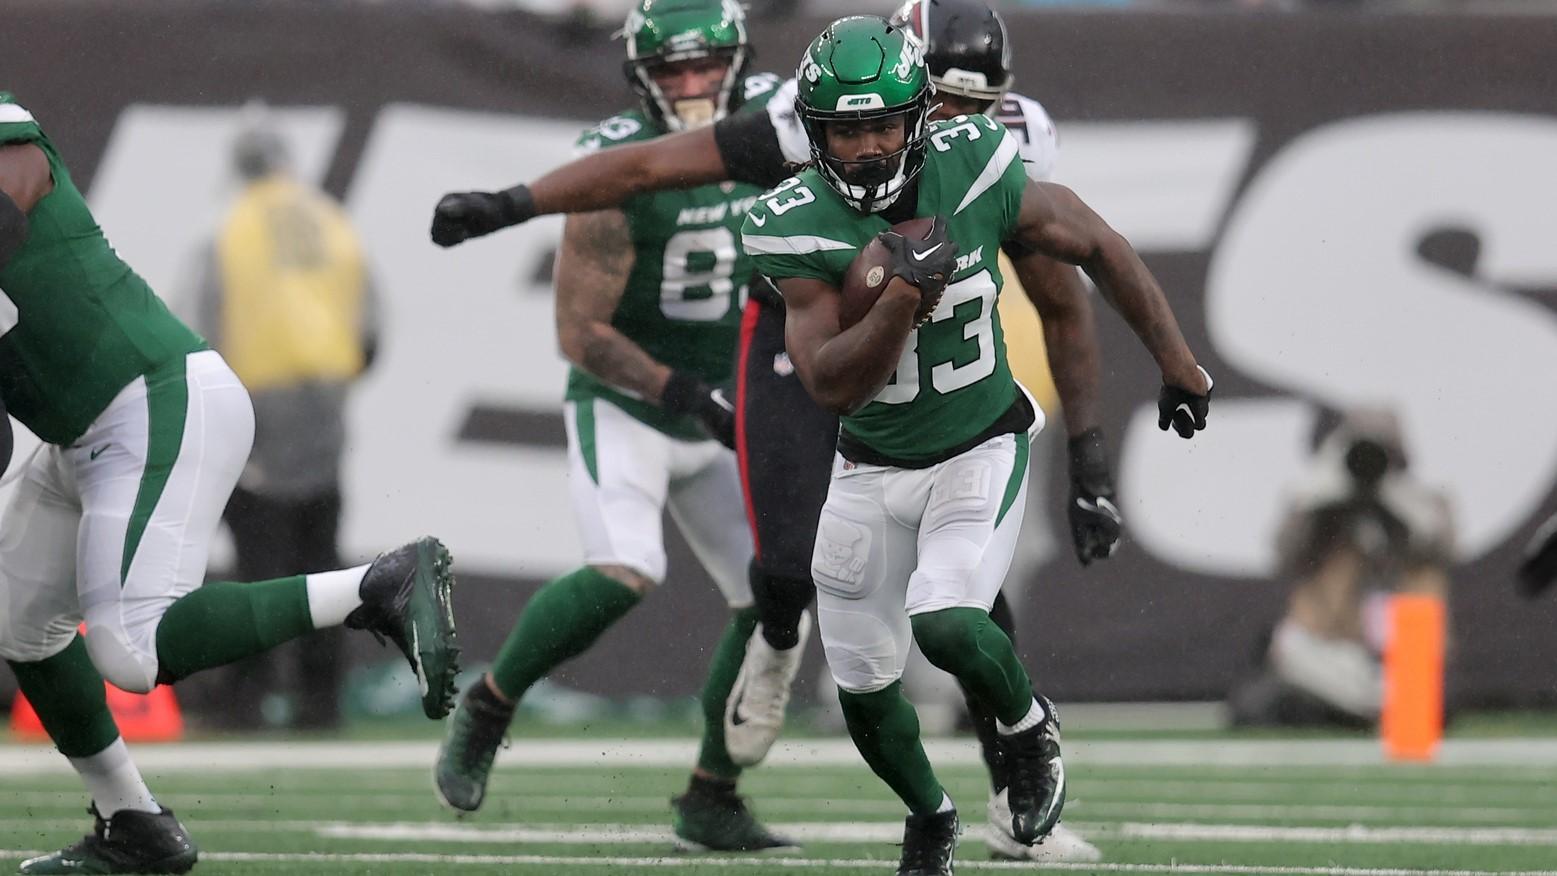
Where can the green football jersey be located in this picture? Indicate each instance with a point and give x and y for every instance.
(689, 278)
(76, 324)
(952, 381)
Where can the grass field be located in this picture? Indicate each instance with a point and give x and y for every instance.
(592, 807)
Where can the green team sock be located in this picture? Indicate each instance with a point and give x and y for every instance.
(66, 691)
(559, 623)
(226, 621)
(968, 644)
(885, 729)
(728, 655)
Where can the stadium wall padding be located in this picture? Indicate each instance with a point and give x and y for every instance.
(1344, 207)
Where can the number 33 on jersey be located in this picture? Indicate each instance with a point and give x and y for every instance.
(953, 380)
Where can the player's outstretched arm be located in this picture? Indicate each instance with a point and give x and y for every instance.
(601, 180)
(1056, 222)
(593, 265)
(24, 180)
(843, 370)
(1070, 335)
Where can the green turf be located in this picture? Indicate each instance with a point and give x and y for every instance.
(281, 821)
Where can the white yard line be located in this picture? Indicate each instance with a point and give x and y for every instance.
(1356, 833)
(682, 861)
(892, 831)
(1531, 754)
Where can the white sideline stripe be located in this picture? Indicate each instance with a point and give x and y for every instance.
(1530, 755)
(681, 861)
(892, 831)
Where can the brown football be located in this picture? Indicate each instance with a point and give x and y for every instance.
(869, 272)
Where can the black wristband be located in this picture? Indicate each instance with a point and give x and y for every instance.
(1089, 463)
(682, 393)
(13, 228)
(518, 204)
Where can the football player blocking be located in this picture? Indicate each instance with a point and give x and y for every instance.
(926, 496)
(145, 431)
(648, 305)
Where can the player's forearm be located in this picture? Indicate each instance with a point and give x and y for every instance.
(1131, 289)
(852, 367)
(610, 177)
(1074, 357)
(609, 355)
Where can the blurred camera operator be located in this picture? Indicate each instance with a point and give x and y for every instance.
(1359, 527)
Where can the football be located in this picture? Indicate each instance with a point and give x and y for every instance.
(869, 272)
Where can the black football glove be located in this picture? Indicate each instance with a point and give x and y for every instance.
(1538, 569)
(926, 264)
(460, 216)
(1095, 522)
(685, 394)
(1185, 411)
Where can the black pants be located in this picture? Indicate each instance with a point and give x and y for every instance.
(275, 538)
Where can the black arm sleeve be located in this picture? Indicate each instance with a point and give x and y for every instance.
(749, 147)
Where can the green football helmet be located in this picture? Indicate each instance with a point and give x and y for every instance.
(660, 32)
(863, 68)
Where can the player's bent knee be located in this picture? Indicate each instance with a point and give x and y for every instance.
(119, 662)
(945, 635)
(631, 579)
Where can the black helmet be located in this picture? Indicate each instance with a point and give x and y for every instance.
(965, 46)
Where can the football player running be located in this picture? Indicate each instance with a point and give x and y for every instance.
(784, 440)
(145, 431)
(928, 485)
(648, 299)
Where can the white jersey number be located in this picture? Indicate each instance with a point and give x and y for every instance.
(697, 276)
(948, 377)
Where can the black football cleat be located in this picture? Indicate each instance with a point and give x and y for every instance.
(407, 598)
(127, 842)
(1037, 775)
(929, 844)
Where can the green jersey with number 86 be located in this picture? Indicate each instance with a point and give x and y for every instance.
(77, 325)
(952, 381)
(689, 278)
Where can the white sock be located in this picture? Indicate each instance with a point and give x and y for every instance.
(1034, 717)
(114, 782)
(946, 804)
(333, 595)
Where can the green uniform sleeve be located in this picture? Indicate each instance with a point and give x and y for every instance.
(16, 123)
(781, 256)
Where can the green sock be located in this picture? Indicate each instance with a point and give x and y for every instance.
(66, 691)
(559, 623)
(722, 670)
(885, 729)
(968, 644)
(226, 621)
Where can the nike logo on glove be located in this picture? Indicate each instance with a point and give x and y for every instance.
(921, 256)
(1100, 505)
